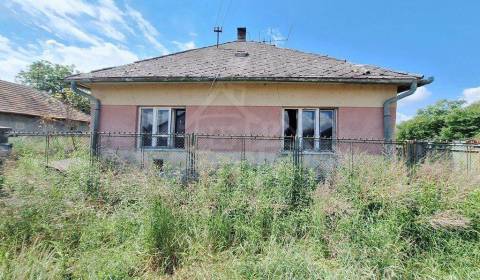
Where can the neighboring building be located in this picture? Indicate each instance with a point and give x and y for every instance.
(245, 88)
(25, 109)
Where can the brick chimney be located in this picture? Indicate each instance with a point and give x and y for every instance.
(241, 34)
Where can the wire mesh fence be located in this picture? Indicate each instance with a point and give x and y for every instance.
(188, 154)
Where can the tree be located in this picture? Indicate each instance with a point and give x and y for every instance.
(444, 120)
(46, 76)
(462, 123)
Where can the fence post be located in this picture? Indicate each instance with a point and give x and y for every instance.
(47, 147)
(351, 159)
(5, 147)
(243, 156)
(295, 156)
(469, 158)
(142, 150)
(190, 168)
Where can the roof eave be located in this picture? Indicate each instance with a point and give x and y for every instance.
(396, 81)
(87, 120)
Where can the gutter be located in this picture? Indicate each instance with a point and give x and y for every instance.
(96, 116)
(387, 116)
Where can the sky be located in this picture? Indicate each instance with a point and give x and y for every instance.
(428, 37)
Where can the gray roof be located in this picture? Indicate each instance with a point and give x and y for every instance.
(24, 100)
(246, 61)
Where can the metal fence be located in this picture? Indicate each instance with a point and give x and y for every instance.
(187, 154)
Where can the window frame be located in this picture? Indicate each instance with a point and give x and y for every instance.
(299, 131)
(170, 140)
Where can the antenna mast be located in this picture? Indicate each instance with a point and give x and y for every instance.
(218, 30)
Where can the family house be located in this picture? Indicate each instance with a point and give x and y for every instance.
(23, 108)
(246, 88)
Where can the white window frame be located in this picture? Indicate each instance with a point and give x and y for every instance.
(317, 124)
(155, 126)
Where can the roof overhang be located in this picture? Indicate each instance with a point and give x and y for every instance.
(402, 84)
(59, 118)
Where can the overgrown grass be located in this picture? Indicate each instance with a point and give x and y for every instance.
(379, 220)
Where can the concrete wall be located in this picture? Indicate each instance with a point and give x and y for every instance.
(35, 124)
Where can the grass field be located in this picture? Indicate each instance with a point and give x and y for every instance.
(380, 220)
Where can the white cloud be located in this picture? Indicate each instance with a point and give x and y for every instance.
(148, 30)
(421, 94)
(471, 95)
(84, 58)
(11, 60)
(402, 117)
(88, 34)
(184, 46)
(66, 18)
(110, 17)
(88, 58)
(57, 17)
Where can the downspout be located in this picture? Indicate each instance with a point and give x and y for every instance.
(387, 115)
(96, 116)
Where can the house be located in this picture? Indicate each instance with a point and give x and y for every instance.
(247, 88)
(25, 109)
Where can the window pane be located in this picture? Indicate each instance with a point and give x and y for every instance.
(308, 129)
(326, 129)
(290, 127)
(179, 139)
(162, 127)
(146, 123)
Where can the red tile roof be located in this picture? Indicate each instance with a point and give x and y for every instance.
(24, 100)
(247, 61)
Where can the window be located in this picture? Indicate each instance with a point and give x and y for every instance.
(290, 127)
(314, 127)
(162, 127)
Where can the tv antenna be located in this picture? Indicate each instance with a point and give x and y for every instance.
(218, 30)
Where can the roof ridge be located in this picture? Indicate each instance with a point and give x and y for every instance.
(175, 53)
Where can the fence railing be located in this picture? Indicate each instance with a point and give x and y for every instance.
(189, 153)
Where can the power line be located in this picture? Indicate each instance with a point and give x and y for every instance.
(218, 28)
(218, 12)
(226, 12)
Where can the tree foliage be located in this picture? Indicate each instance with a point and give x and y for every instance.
(49, 77)
(444, 120)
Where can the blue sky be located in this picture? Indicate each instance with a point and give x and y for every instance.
(434, 38)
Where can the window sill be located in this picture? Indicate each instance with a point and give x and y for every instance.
(156, 149)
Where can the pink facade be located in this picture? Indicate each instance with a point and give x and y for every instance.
(361, 122)
(352, 123)
(234, 120)
(118, 118)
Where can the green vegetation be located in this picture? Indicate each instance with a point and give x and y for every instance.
(444, 120)
(380, 220)
(48, 77)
